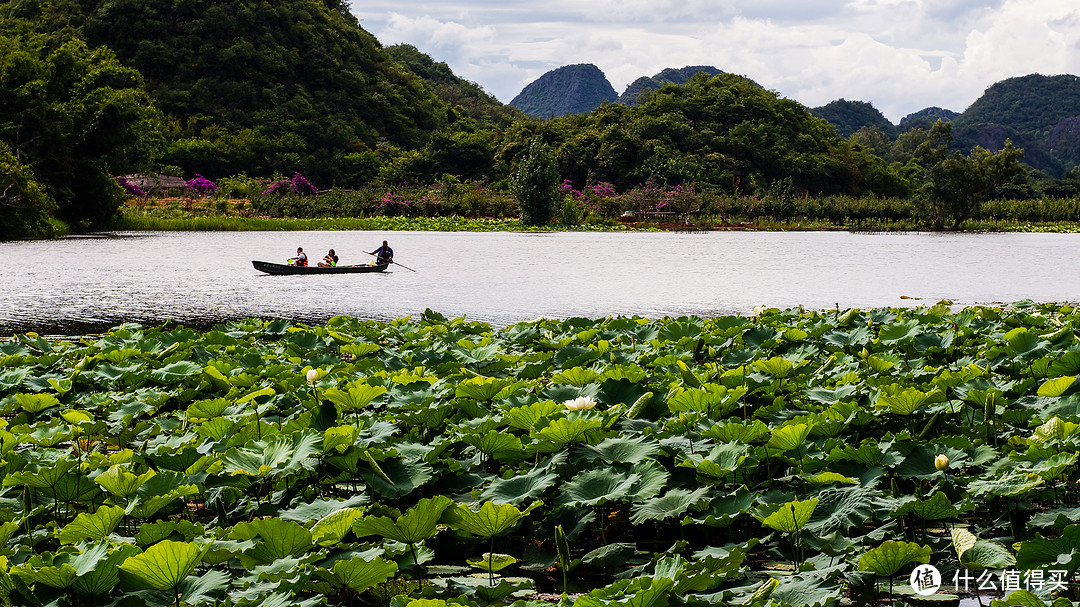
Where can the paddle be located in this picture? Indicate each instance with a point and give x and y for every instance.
(392, 261)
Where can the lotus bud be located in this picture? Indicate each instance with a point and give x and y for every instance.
(941, 462)
(580, 403)
(312, 375)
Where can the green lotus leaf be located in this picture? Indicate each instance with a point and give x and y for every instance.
(899, 333)
(611, 555)
(279, 456)
(277, 539)
(844, 508)
(397, 477)
(317, 509)
(633, 374)
(1024, 598)
(250, 396)
(652, 478)
(1026, 344)
(121, 483)
(987, 555)
(519, 488)
(176, 372)
(206, 589)
(788, 437)
(811, 588)
(526, 417)
(888, 558)
(358, 574)
(490, 520)
(623, 449)
(859, 336)
(905, 401)
(35, 403)
(332, 528)
(672, 504)
(417, 524)
(1062, 552)
(776, 366)
(639, 592)
(356, 396)
(1012, 485)
(359, 349)
(481, 389)
(738, 432)
(577, 376)
(882, 363)
(492, 562)
(162, 566)
(339, 438)
(790, 516)
(597, 487)
(502, 446)
(1054, 428)
(827, 478)
(105, 574)
(962, 540)
(936, 508)
(38, 476)
(1053, 388)
(828, 396)
(152, 533)
(563, 431)
(91, 527)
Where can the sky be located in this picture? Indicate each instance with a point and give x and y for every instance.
(899, 55)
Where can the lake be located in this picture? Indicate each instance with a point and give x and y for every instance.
(77, 285)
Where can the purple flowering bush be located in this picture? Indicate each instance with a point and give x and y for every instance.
(201, 187)
(130, 188)
(298, 185)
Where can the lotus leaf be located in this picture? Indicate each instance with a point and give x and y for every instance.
(1053, 388)
(905, 401)
(358, 574)
(339, 438)
(332, 528)
(639, 592)
(672, 504)
(35, 403)
(1026, 344)
(519, 489)
(481, 389)
(937, 507)
(106, 571)
(888, 558)
(788, 437)
(163, 565)
(121, 483)
(899, 333)
(91, 527)
(597, 487)
(1012, 485)
(176, 372)
(277, 539)
(490, 520)
(1062, 552)
(563, 431)
(152, 533)
(623, 449)
(790, 516)
(356, 396)
(492, 562)
(499, 445)
(527, 417)
(417, 524)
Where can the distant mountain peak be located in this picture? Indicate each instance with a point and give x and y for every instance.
(666, 76)
(571, 89)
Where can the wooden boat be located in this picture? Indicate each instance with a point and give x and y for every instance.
(281, 268)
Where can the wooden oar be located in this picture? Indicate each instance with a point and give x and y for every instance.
(391, 261)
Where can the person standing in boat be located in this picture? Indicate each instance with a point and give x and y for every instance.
(383, 254)
(300, 259)
(330, 260)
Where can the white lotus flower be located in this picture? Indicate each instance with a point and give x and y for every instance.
(580, 403)
(312, 375)
(941, 462)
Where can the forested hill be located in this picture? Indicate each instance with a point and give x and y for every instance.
(252, 85)
(850, 116)
(667, 76)
(571, 89)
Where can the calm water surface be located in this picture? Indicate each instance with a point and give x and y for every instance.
(82, 284)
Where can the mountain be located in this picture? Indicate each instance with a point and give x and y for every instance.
(1039, 113)
(571, 89)
(667, 76)
(925, 118)
(850, 116)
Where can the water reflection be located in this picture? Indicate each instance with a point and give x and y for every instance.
(76, 285)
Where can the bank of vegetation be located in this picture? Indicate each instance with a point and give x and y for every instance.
(224, 89)
(792, 458)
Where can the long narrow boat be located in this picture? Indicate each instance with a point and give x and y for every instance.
(281, 268)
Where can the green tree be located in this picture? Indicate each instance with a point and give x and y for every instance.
(75, 117)
(25, 208)
(957, 185)
(534, 184)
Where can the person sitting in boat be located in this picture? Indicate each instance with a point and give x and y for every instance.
(330, 260)
(383, 254)
(300, 259)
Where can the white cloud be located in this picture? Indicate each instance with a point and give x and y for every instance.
(900, 55)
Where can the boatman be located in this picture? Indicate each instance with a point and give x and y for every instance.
(383, 254)
(300, 259)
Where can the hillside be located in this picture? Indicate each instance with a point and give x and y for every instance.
(255, 86)
(925, 118)
(571, 89)
(452, 90)
(668, 76)
(850, 116)
(1039, 113)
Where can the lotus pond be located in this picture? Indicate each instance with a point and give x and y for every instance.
(792, 458)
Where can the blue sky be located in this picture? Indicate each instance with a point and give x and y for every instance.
(900, 55)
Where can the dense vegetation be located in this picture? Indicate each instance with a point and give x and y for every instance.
(793, 458)
(571, 89)
(252, 90)
(850, 116)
